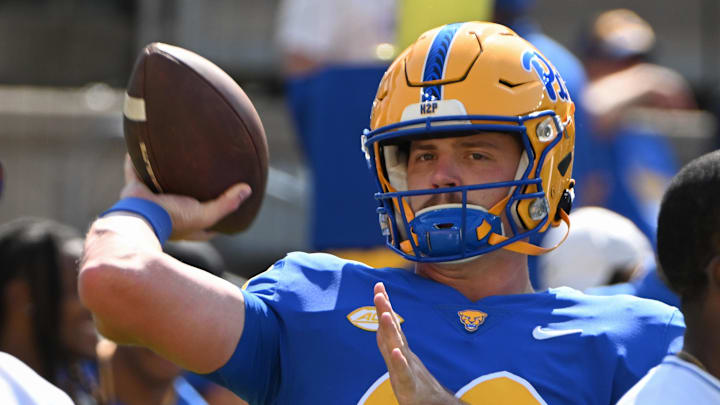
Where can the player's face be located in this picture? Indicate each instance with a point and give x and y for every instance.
(452, 162)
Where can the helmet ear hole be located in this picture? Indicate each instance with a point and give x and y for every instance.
(394, 158)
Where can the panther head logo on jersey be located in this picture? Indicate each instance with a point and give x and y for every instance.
(472, 319)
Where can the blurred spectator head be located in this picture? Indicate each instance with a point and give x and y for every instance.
(602, 248)
(688, 237)
(619, 34)
(136, 375)
(42, 321)
(615, 40)
(139, 362)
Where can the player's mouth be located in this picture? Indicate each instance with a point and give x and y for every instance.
(439, 199)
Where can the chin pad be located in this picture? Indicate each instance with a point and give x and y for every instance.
(439, 229)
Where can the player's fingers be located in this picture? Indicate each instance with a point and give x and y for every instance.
(385, 328)
(382, 341)
(382, 304)
(380, 289)
(386, 340)
(214, 210)
(401, 376)
(391, 328)
(390, 334)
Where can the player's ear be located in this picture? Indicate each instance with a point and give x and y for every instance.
(713, 274)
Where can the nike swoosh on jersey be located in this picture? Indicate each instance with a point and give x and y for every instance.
(541, 333)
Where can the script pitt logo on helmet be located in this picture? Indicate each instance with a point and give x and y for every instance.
(533, 60)
(472, 319)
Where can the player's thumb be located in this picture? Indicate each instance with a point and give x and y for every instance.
(226, 203)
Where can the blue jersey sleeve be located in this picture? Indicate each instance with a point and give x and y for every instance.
(628, 335)
(252, 372)
(639, 355)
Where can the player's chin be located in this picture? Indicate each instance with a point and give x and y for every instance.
(459, 263)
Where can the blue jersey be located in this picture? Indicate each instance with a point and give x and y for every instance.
(309, 338)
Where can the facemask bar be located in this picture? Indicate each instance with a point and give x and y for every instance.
(559, 127)
(387, 208)
(518, 184)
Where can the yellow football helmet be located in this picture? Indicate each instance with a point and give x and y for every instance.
(456, 80)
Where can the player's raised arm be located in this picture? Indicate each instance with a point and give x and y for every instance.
(139, 295)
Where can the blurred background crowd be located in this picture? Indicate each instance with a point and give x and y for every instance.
(644, 77)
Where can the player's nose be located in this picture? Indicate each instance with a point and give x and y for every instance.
(446, 173)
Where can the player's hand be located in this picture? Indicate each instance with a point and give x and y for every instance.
(411, 382)
(190, 217)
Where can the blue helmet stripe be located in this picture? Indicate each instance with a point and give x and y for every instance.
(435, 63)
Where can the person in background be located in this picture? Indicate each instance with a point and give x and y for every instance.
(21, 385)
(132, 375)
(334, 54)
(602, 248)
(42, 321)
(689, 256)
(630, 102)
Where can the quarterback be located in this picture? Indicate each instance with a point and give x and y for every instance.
(471, 143)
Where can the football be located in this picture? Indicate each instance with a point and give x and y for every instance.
(190, 129)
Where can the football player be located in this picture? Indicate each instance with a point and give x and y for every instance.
(690, 259)
(471, 143)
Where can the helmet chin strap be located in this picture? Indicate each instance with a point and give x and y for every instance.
(526, 247)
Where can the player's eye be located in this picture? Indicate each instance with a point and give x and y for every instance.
(425, 156)
(478, 156)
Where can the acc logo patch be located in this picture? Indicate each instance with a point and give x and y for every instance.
(472, 319)
(366, 318)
